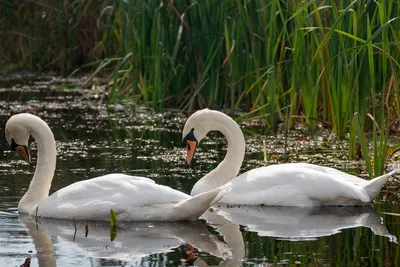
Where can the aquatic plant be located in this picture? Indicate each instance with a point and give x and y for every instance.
(113, 225)
(312, 61)
(308, 60)
(320, 62)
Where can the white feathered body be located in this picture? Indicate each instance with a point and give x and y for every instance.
(132, 198)
(291, 184)
(302, 184)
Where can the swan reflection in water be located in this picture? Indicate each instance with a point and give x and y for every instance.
(296, 223)
(134, 240)
(139, 239)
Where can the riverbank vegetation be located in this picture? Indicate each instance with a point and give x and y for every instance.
(334, 63)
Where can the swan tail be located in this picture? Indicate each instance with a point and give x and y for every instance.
(195, 206)
(373, 187)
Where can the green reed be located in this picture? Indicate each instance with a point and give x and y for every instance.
(309, 59)
(280, 61)
(382, 71)
(319, 61)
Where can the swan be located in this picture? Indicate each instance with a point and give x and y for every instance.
(290, 184)
(132, 198)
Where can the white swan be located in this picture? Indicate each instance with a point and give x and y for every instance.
(132, 198)
(291, 184)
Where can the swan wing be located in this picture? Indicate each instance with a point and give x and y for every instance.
(131, 197)
(113, 176)
(330, 171)
(293, 185)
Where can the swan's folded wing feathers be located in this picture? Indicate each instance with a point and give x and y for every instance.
(289, 185)
(332, 171)
(124, 176)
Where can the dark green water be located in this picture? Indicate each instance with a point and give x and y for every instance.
(93, 140)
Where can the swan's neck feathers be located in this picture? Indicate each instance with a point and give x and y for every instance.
(46, 162)
(230, 166)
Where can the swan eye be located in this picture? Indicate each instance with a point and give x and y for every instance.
(188, 147)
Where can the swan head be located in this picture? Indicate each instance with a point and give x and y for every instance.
(196, 128)
(17, 135)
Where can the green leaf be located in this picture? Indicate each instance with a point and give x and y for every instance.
(113, 218)
(363, 144)
(395, 147)
(331, 30)
(113, 222)
(303, 8)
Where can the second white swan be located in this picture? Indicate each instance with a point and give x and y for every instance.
(133, 198)
(291, 184)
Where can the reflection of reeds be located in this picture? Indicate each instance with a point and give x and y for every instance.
(37, 218)
(345, 249)
(86, 229)
(73, 220)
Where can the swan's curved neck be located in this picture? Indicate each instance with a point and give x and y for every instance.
(46, 163)
(230, 166)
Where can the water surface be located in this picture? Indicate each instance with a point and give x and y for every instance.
(93, 139)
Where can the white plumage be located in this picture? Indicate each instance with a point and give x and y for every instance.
(301, 184)
(132, 198)
(291, 184)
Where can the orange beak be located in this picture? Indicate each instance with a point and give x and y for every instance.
(24, 152)
(190, 149)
